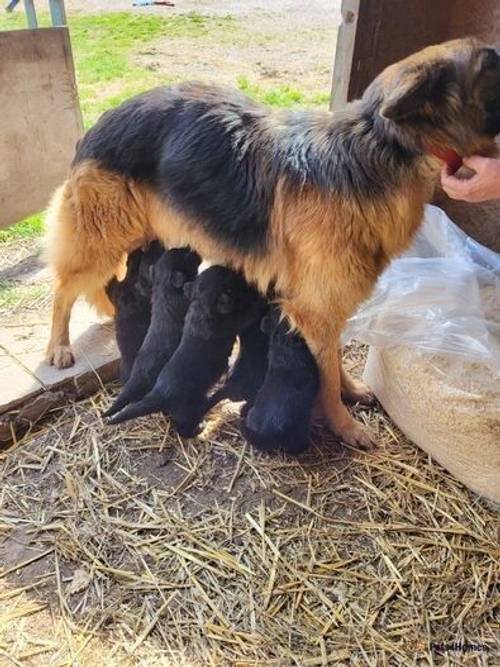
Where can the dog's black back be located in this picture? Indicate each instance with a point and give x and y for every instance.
(169, 305)
(281, 414)
(221, 305)
(132, 300)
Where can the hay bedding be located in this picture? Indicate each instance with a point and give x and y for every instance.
(141, 548)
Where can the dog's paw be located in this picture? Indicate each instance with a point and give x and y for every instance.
(360, 393)
(357, 435)
(61, 356)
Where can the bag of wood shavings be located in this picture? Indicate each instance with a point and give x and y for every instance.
(433, 326)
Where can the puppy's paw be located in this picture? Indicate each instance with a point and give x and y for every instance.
(60, 356)
(357, 435)
(360, 393)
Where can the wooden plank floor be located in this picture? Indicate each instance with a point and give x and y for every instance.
(25, 376)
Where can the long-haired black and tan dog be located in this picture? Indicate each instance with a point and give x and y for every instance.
(169, 303)
(315, 203)
(132, 301)
(281, 414)
(221, 305)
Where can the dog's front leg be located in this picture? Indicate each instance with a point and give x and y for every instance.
(59, 351)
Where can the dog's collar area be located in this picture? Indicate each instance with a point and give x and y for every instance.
(447, 155)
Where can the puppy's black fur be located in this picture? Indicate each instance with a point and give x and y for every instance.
(249, 370)
(281, 414)
(169, 305)
(222, 304)
(132, 300)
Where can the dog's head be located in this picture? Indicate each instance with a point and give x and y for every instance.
(446, 96)
(224, 297)
(175, 268)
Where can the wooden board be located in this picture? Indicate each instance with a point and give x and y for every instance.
(40, 118)
(376, 33)
(29, 386)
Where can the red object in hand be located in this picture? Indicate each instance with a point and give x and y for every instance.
(449, 156)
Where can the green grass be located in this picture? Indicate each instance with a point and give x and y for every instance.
(29, 227)
(14, 295)
(104, 46)
(281, 96)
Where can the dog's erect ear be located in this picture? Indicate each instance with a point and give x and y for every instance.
(178, 279)
(413, 89)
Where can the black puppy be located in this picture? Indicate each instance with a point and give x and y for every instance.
(281, 414)
(249, 370)
(132, 300)
(169, 305)
(222, 304)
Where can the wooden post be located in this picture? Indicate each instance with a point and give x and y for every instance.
(30, 11)
(344, 53)
(57, 12)
(41, 120)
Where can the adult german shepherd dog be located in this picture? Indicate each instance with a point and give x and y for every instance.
(312, 203)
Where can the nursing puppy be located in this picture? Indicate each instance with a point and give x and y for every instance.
(249, 370)
(169, 304)
(132, 300)
(281, 414)
(314, 203)
(221, 305)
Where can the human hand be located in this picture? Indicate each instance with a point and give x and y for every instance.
(484, 185)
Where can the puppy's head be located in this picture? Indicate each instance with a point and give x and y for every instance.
(446, 96)
(175, 268)
(225, 297)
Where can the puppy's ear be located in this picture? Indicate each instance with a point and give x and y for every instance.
(413, 89)
(151, 273)
(188, 290)
(225, 303)
(178, 279)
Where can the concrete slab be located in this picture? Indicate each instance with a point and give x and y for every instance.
(25, 376)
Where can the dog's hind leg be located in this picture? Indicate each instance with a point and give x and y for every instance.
(59, 352)
(93, 221)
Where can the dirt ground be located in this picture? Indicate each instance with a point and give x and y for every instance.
(287, 42)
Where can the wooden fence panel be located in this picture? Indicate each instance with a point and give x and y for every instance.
(40, 120)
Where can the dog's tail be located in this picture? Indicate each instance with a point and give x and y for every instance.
(149, 404)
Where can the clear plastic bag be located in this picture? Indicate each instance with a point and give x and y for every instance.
(441, 297)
